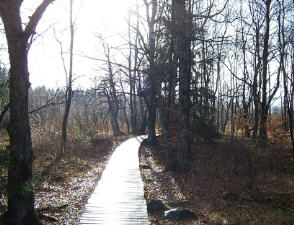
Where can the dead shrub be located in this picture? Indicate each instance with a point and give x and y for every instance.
(277, 133)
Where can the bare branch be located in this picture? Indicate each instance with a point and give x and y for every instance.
(35, 18)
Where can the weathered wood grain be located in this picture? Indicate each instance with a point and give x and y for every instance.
(119, 195)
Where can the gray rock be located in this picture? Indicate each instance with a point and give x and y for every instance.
(179, 214)
(155, 206)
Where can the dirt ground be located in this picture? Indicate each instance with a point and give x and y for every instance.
(229, 184)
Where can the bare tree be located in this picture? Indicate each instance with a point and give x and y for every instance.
(109, 90)
(132, 79)
(264, 102)
(68, 94)
(151, 11)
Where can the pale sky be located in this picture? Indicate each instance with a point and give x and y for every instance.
(107, 17)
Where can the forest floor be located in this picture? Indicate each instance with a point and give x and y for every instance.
(228, 184)
(62, 191)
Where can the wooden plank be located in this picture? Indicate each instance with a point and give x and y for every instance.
(119, 195)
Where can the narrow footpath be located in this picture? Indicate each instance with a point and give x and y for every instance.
(119, 196)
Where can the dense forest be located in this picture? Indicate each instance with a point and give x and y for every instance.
(196, 72)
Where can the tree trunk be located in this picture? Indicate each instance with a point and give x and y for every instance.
(182, 33)
(126, 119)
(20, 184)
(112, 97)
(151, 120)
(65, 118)
(290, 107)
(125, 106)
(68, 96)
(288, 97)
(115, 125)
(245, 104)
(152, 74)
(143, 117)
(172, 80)
(264, 105)
(132, 81)
(256, 97)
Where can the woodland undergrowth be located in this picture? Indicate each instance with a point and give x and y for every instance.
(63, 179)
(229, 182)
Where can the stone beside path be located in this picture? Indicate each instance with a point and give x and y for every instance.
(119, 196)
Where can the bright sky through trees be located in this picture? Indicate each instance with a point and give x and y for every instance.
(93, 17)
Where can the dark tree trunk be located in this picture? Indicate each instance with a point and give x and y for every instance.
(133, 114)
(290, 106)
(256, 114)
(264, 105)
(115, 124)
(125, 106)
(112, 97)
(184, 49)
(20, 192)
(132, 82)
(151, 105)
(245, 104)
(256, 97)
(126, 119)
(20, 185)
(151, 119)
(171, 95)
(288, 97)
(143, 117)
(68, 98)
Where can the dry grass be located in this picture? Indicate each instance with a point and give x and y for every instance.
(63, 180)
(61, 193)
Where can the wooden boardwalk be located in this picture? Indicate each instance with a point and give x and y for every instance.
(119, 195)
